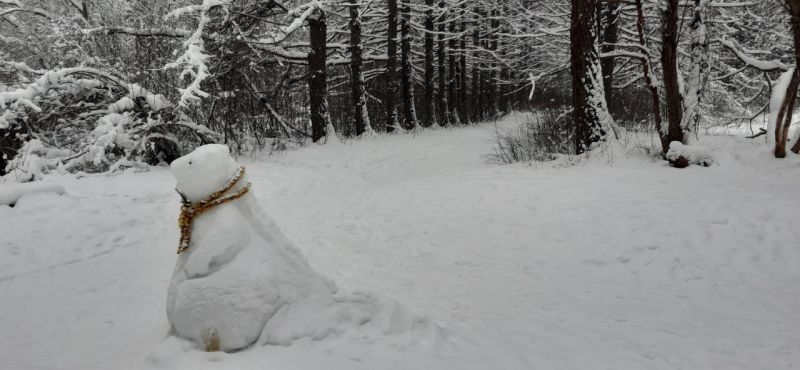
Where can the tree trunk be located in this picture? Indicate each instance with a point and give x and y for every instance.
(429, 110)
(443, 106)
(590, 112)
(360, 113)
(794, 10)
(484, 67)
(317, 80)
(492, 93)
(475, 92)
(784, 115)
(648, 79)
(699, 67)
(409, 111)
(610, 37)
(391, 68)
(452, 78)
(669, 65)
(462, 66)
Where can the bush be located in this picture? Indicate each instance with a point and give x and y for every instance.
(83, 119)
(539, 138)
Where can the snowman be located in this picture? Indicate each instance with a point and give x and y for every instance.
(235, 271)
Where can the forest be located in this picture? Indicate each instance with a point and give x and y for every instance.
(98, 86)
(399, 184)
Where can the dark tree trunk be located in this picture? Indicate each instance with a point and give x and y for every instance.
(492, 79)
(409, 111)
(443, 106)
(669, 65)
(317, 81)
(505, 105)
(452, 78)
(462, 91)
(590, 112)
(391, 68)
(475, 92)
(429, 110)
(610, 37)
(485, 83)
(784, 116)
(794, 11)
(648, 79)
(360, 113)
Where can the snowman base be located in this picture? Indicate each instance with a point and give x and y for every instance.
(241, 281)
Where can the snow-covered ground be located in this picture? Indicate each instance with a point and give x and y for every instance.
(618, 262)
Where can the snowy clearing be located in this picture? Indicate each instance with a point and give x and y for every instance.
(632, 265)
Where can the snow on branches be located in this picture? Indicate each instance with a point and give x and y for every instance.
(194, 59)
(84, 119)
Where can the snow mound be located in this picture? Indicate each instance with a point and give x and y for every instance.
(11, 193)
(681, 155)
(242, 281)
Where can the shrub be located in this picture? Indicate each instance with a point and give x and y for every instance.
(83, 119)
(539, 138)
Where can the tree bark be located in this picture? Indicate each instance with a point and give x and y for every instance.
(648, 79)
(669, 65)
(590, 112)
(699, 67)
(475, 92)
(462, 91)
(409, 111)
(610, 37)
(794, 11)
(429, 110)
(452, 78)
(391, 68)
(360, 112)
(443, 106)
(784, 117)
(317, 80)
(492, 87)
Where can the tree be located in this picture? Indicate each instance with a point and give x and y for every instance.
(610, 37)
(647, 72)
(360, 112)
(669, 66)
(592, 120)
(444, 111)
(475, 91)
(429, 103)
(787, 107)
(409, 111)
(317, 78)
(699, 67)
(391, 67)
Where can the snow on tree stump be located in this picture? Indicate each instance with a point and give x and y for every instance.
(680, 155)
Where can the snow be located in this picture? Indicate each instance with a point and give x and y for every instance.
(632, 265)
(745, 57)
(194, 60)
(695, 154)
(10, 194)
(242, 280)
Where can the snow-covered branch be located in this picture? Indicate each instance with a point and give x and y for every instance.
(193, 60)
(746, 58)
(146, 32)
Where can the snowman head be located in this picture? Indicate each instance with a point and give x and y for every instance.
(203, 171)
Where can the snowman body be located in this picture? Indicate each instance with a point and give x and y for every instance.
(239, 270)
